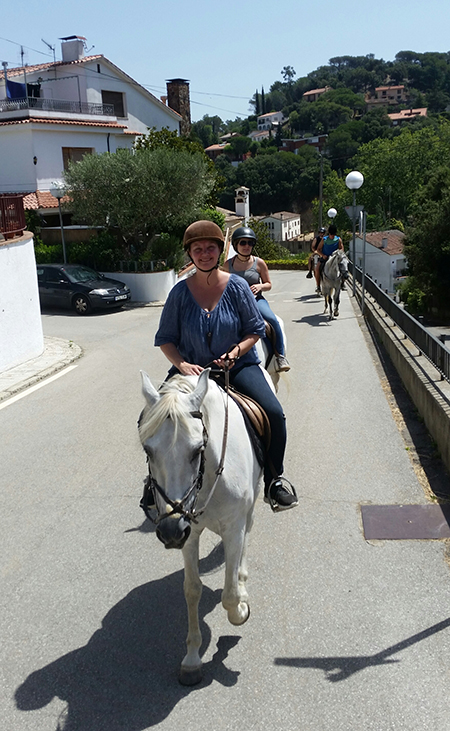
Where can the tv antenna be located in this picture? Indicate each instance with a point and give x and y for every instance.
(52, 49)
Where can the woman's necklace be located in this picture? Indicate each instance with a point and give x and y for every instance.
(245, 258)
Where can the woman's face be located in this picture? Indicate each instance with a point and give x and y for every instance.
(246, 246)
(205, 253)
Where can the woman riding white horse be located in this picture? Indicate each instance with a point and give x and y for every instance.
(212, 317)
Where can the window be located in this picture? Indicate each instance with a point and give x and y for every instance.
(116, 99)
(74, 154)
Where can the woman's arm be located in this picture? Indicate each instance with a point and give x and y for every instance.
(173, 355)
(265, 285)
(240, 349)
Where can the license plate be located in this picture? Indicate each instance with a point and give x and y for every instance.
(120, 297)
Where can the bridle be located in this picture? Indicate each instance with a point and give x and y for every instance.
(178, 507)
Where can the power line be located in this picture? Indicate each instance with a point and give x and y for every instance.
(28, 47)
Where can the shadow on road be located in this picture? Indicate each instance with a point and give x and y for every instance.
(125, 677)
(341, 668)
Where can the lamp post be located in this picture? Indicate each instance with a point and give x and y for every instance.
(353, 181)
(59, 192)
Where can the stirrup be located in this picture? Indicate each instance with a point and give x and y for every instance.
(290, 489)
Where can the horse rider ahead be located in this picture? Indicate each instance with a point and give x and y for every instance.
(327, 246)
(313, 258)
(255, 271)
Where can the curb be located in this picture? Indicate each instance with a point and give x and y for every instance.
(57, 355)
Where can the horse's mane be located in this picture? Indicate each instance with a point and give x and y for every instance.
(170, 405)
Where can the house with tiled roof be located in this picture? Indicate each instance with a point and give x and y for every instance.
(314, 94)
(282, 226)
(55, 113)
(385, 260)
(386, 95)
(406, 115)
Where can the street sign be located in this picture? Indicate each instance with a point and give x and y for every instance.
(353, 211)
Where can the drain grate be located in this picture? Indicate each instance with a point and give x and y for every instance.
(403, 522)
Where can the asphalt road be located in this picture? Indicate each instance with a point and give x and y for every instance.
(344, 634)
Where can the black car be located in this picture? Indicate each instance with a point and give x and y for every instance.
(79, 288)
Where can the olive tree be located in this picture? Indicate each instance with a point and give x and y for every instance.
(140, 193)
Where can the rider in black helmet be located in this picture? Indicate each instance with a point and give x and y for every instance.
(255, 271)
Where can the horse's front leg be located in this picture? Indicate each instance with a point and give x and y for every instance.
(191, 666)
(337, 299)
(234, 594)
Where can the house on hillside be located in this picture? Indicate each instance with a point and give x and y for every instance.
(270, 120)
(386, 95)
(385, 260)
(282, 226)
(55, 113)
(314, 94)
(293, 145)
(405, 115)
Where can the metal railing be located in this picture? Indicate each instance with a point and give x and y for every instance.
(56, 105)
(12, 216)
(428, 344)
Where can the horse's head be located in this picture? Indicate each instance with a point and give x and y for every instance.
(343, 264)
(174, 438)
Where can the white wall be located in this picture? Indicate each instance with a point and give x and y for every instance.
(20, 143)
(21, 336)
(146, 287)
(379, 264)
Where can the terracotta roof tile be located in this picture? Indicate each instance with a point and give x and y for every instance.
(19, 70)
(41, 199)
(394, 241)
(408, 114)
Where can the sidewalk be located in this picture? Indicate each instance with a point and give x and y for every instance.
(57, 355)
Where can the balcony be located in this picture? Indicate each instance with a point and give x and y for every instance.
(12, 216)
(25, 106)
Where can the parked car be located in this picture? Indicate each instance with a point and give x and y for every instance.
(80, 288)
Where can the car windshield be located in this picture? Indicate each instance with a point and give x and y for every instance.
(82, 274)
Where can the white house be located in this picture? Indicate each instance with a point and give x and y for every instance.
(283, 226)
(53, 113)
(270, 120)
(385, 260)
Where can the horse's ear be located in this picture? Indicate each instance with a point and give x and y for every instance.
(201, 389)
(148, 389)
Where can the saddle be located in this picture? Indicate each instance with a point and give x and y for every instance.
(255, 418)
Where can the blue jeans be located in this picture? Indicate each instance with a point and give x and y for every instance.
(266, 312)
(249, 380)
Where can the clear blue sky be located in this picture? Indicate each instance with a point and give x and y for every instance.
(227, 50)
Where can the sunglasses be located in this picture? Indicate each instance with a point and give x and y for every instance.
(246, 242)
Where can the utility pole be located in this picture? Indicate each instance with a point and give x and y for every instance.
(320, 190)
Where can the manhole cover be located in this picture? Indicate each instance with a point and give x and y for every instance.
(402, 522)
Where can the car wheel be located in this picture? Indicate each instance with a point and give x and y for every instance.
(81, 304)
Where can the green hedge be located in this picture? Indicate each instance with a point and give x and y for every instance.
(287, 263)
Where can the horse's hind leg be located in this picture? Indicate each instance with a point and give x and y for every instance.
(234, 594)
(337, 299)
(191, 666)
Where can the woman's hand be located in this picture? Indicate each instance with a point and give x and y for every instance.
(256, 288)
(189, 369)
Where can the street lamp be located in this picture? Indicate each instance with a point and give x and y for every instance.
(59, 192)
(353, 181)
(332, 213)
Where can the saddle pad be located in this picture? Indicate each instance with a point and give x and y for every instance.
(256, 416)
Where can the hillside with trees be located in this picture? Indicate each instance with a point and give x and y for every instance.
(405, 166)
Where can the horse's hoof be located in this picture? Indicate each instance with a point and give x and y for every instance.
(241, 619)
(190, 676)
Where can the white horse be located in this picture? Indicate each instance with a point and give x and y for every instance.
(334, 273)
(182, 432)
(267, 356)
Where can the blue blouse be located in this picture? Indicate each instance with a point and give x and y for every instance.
(202, 336)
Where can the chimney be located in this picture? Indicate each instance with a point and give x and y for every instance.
(72, 48)
(384, 243)
(178, 100)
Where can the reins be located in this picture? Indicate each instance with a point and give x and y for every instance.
(178, 506)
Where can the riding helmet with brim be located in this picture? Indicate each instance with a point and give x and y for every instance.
(203, 230)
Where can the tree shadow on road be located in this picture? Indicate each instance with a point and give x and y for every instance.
(342, 668)
(125, 677)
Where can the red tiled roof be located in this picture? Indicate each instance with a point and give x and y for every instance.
(83, 123)
(19, 70)
(386, 88)
(394, 241)
(408, 114)
(315, 91)
(41, 199)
